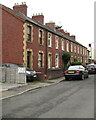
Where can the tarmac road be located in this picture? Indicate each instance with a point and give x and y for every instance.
(67, 99)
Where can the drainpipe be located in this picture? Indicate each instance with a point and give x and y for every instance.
(46, 52)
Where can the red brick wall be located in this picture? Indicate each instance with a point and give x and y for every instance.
(12, 37)
(39, 18)
(36, 47)
(51, 25)
(54, 73)
(0, 36)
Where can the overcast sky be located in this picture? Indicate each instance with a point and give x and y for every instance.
(75, 16)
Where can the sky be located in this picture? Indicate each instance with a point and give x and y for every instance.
(75, 16)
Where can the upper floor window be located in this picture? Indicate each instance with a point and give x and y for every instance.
(85, 52)
(71, 47)
(56, 43)
(81, 50)
(78, 49)
(41, 37)
(29, 33)
(62, 44)
(67, 47)
(49, 40)
(75, 48)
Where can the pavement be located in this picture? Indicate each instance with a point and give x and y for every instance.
(10, 90)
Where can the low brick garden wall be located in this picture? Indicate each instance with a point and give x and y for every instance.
(54, 73)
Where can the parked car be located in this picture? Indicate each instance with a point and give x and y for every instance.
(9, 65)
(30, 75)
(77, 71)
(91, 68)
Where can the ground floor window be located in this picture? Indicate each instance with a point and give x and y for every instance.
(49, 60)
(40, 59)
(29, 59)
(57, 61)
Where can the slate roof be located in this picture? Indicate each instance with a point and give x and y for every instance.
(27, 19)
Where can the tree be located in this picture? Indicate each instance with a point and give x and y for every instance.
(66, 58)
(76, 62)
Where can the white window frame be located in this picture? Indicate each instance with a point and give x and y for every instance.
(57, 60)
(62, 44)
(40, 59)
(49, 40)
(49, 60)
(81, 50)
(78, 49)
(67, 46)
(41, 38)
(74, 48)
(56, 42)
(71, 47)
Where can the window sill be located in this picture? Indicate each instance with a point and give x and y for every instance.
(41, 45)
(56, 48)
(49, 47)
(29, 42)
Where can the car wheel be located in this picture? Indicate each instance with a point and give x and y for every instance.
(82, 77)
(66, 78)
(87, 76)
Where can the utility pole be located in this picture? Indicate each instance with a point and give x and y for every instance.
(91, 51)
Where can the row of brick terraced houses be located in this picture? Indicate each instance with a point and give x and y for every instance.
(27, 41)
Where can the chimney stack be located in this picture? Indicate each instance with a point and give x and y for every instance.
(62, 31)
(73, 37)
(67, 34)
(38, 17)
(51, 25)
(21, 8)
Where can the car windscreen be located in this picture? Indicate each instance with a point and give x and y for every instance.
(75, 67)
(91, 66)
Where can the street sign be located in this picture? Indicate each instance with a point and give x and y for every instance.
(21, 70)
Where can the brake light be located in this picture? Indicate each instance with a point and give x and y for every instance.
(94, 68)
(78, 71)
(65, 72)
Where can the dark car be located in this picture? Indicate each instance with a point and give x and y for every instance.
(77, 71)
(30, 75)
(9, 65)
(91, 68)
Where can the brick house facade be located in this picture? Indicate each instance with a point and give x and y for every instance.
(28, 42)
